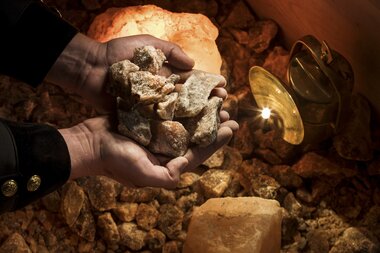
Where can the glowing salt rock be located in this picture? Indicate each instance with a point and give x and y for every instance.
(194, 33)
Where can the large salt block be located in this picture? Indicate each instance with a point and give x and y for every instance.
(235, 225)
(194, 33)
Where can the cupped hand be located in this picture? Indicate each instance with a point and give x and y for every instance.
(83, 65)
(96, 150)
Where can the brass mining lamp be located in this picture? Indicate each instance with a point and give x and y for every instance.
(314, 103)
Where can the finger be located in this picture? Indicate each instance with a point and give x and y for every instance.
(176, 166)
(219, 92)
(232, 124)
(198, 155)
(171, 172)
(174, 54)
(186, 74)
(224, 116)
(163, 159)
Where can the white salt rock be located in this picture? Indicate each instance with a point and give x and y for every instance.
(238, 225)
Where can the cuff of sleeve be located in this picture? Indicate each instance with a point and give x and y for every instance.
(38, 39)
(43, 162)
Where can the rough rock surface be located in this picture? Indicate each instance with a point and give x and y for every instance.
(108, 228)
(146, 216)
(148, 58)
(166, 108)
(215, 182)
(15, 243)
(134, 126)
(169, 138)
(72, 202)
(235, 225)
(118, 84)
(152, 96)
(101, 192)
(147, 88)
(194, 93)
(203, 128)
(131, 236)
(356, 240)
(184, 29)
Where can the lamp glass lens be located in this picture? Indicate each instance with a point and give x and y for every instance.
(269, 92)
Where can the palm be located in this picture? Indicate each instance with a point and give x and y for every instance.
(124, 160)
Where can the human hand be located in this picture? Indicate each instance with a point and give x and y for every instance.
(96, 150)
(82, 67)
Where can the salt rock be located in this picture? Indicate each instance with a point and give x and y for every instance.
(216, 160)
(72, 202)
(52, 201)
(232, 158)
(243, 139)
(148, 59)
(318, 240)
(277, 62)
(354, 141)
(234, 188)
(101, 191)
(143, 194)
(356, 240)
(166, 108)
(203, 128)
(261, 35)
(264, 186)
(239, 225)
(166, 196)
(186, 202)
(172, 247)
(285, 176)
(187, 179)
(118, 84)
(126, 211)
(15, 243)
(170, 220)
(155, 239)
(187, 30)
(313, 165)
(169, 138)
(84, 225)
(194, 93)
(108, 228)
(146, 216)
(240, 16)
(131, 236)
(134, 126)
(147, 88)
(214, 182)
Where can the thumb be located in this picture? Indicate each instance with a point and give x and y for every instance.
(174, 54)
(175, 168)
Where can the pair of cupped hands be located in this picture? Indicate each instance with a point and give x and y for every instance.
(95, 147)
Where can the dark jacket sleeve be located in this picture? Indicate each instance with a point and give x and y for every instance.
(34, 159)
(32, 38)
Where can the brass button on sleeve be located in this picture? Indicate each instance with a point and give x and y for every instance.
(34, 183)
(9, 188)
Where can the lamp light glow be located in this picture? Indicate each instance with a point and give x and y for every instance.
(265, 113)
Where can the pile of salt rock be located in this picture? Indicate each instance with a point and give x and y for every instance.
(157, 111)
